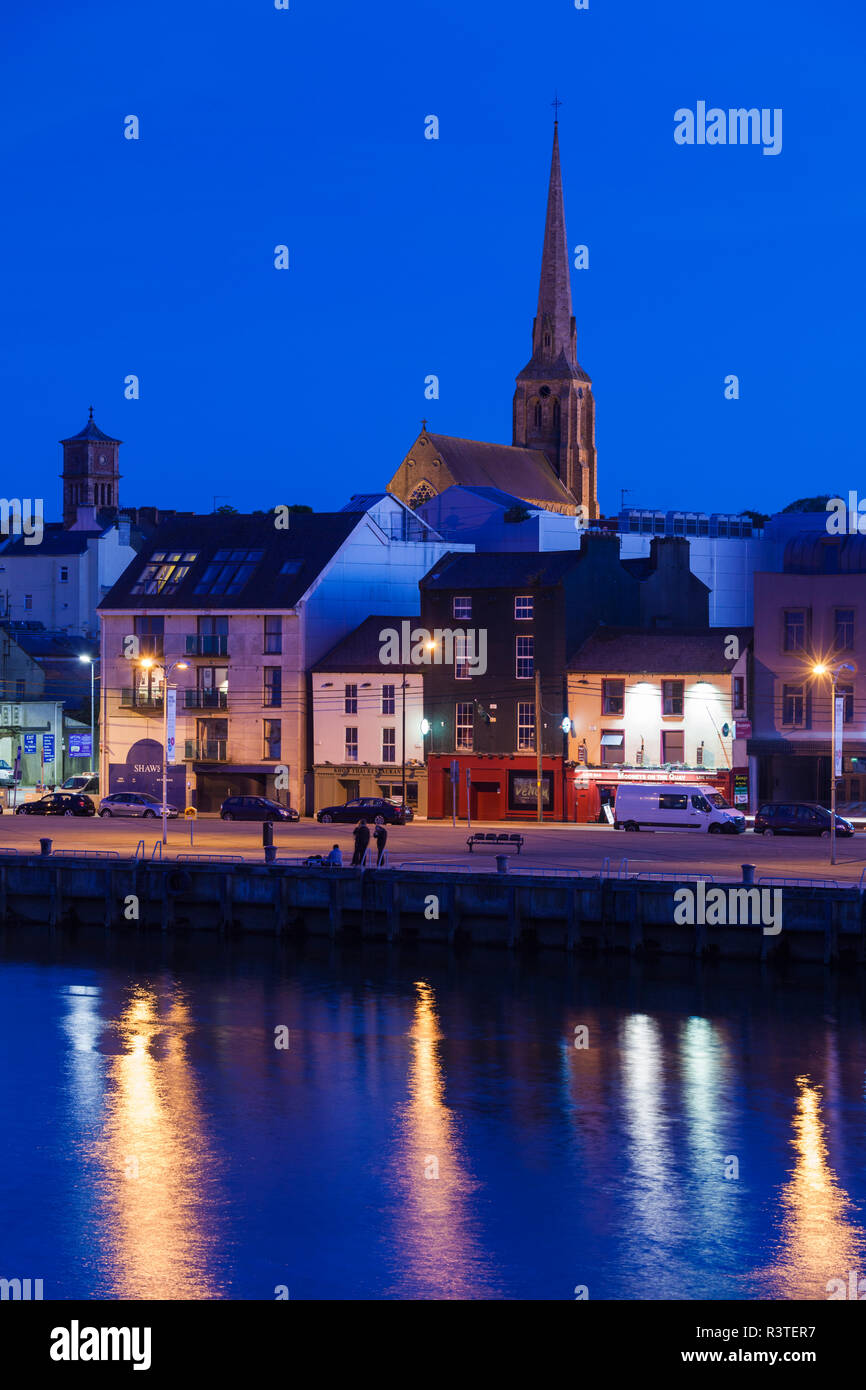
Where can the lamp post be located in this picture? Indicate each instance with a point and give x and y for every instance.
(821, 669)
(92, 662)
(148, 664)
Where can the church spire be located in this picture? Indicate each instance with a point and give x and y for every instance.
(553, 331)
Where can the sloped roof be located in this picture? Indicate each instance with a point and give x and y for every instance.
(359, 649)
(91, 431)
(501, 569)
(505, 467)
(311, 540)
(56, 540)
(631, 649)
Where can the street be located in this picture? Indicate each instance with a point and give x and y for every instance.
(558, 847)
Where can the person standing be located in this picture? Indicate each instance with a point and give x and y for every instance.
(380, 835)
(361, 835)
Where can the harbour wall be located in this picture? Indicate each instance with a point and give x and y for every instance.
(525, 910)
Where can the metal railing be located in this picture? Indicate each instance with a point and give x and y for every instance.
(206, 644)
(130, 698)
(205, 699)
(212, 750)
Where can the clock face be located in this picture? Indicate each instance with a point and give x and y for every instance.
(545, 391)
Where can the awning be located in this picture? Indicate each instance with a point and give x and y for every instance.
(612, 740)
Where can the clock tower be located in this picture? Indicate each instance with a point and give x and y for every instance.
(554, 409)
(90, 477)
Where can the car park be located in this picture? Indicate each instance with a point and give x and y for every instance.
(675, 806)
(134, 804)
(258, 808)
(798, 818)
(58, 804)
(370, 808)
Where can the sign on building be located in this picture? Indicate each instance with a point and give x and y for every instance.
(80, 746)
(48, 748)
(29, 743)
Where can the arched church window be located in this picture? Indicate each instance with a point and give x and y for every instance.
(537, 414)
(420, 494)
(547, 340)
(556, 415)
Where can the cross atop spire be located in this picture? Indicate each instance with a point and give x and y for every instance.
(556, 103)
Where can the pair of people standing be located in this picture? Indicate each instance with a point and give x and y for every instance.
(361, 836)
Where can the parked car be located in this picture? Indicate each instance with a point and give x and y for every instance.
(259, 808)
(675, 806)
(86, 782)
(58, 804)
(369, 808)
(134, 804)
(798, 818)
(7, 774)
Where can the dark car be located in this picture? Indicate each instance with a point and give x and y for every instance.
(370, 808)
(58, 804)
(259, 808)
(798, 818)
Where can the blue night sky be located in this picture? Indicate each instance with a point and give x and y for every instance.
(411, 256)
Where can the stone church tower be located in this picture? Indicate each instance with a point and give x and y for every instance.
(91, 477)
(554, 410)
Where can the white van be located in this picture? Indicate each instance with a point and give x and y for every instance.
(681, 806)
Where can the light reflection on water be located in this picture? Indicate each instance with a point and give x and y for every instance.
(431, 1132)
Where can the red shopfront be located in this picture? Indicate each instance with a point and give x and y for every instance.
(502, 788)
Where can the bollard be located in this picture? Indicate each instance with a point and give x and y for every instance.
(502, 863)
(267, 834)
(748, 873)
(44, 846)
(270, 854)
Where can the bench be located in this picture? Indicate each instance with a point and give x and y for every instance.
(500, 844)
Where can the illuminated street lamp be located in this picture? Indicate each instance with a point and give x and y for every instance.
(147, 663)
(822, 669)
(92, 661)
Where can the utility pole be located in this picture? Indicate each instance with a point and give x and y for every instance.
(538, 798)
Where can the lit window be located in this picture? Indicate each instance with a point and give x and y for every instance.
(462, 608)
(164, 572)
(464, 726)
(613, 697)
(389, 745)
(352, 745)
(525, 724)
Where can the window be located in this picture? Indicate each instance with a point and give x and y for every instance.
(211, 637)
(64, 574)
(673, 801)
(464, 725)
(389, 745)
(793, 705)
(613, 697)
(672, 698)
(523, 604)
(228, 571)
(612, 747)
(28, 602)
(350, 705)
(19, 690)
(273, 635)
(537, 408)
(846, 693)
(525, 658)
(844, 629)
(273, 739)
(794, 631)
(462, 608)
(273, 691)
(351, 745)
(673, 746)
(149, 631)
(291, 566)
(525, 724)
(462, 654)
(164, 572)
(388, 698)
(739, 692)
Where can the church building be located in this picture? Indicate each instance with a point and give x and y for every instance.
(551, 461)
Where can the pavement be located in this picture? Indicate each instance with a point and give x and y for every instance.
(568, 849)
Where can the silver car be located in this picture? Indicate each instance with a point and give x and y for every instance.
(134, 804)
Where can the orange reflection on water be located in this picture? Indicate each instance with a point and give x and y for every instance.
(438, 1244)
(156, 1160)
(819, 1239)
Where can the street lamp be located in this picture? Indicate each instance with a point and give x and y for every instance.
(92, 661)
(148, 664)
(822, 669)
